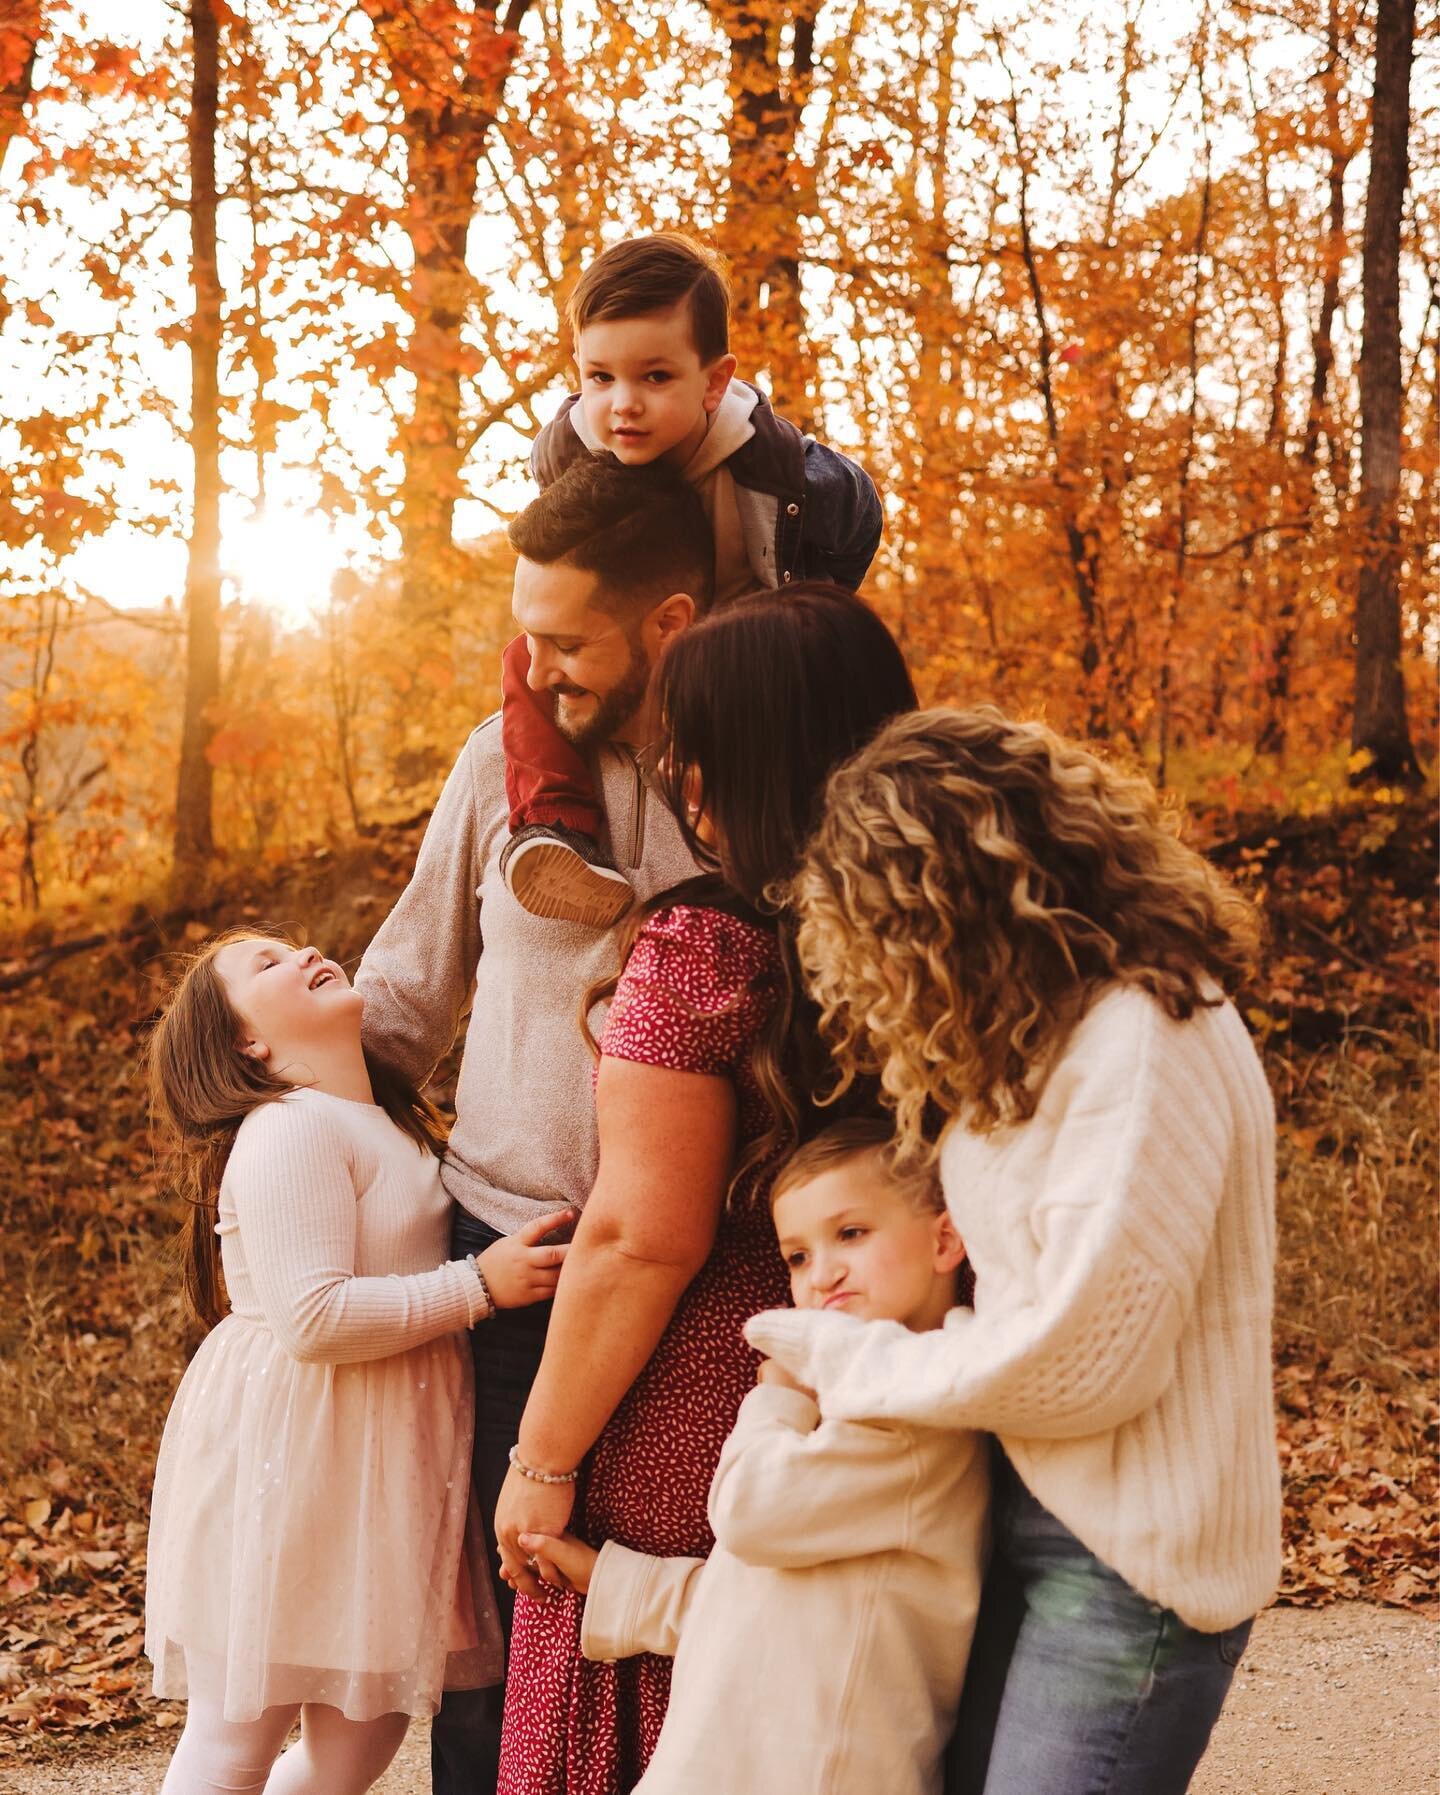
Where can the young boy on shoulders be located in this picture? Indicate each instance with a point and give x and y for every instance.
(823, 1643)
(650, 320)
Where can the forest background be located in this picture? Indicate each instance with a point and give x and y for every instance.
(1132, 311)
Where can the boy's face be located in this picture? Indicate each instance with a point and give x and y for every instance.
(645, 392)
(854, 1243)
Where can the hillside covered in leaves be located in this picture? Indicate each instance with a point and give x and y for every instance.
(93, 1338)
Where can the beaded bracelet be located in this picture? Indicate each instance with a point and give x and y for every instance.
(474, 1265)
(541, 1476)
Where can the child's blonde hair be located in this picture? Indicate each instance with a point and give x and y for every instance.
(856, 1138)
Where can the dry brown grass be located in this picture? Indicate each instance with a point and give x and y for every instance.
(1358, 1149)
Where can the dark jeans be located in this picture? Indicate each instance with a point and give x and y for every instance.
(506, 1349)
(1077, 1684)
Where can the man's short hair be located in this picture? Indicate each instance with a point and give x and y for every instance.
(855, 1138)
(653, 274)
(642, 531)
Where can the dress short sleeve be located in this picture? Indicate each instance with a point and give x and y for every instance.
(697, 989)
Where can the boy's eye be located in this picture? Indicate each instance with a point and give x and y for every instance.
(794, 1261)
(598, 375)
(658, 377)
(853, 1232)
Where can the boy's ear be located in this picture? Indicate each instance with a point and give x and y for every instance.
(949, 1248)
(717, 381)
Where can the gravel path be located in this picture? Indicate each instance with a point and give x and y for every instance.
(1336, 1701)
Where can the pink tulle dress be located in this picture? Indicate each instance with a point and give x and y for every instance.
(311, 1538)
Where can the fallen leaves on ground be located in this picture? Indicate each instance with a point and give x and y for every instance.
(1359, 1467)
(92, 1341)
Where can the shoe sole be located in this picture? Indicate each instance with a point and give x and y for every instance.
(551, 880)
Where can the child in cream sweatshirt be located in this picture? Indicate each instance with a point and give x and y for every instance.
(820, 1649)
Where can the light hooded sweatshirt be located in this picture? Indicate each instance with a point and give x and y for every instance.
(1123, 1239)
(821, 1648)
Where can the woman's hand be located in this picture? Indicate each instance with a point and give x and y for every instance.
(520, 1269)
(564, 1561)
(526, 1506)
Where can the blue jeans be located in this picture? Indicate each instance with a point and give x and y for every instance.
(1078, 1685)
(506, 1349)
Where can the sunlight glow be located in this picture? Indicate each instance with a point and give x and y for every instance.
(285, 560)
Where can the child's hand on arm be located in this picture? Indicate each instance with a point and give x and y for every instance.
(561, 1560)
(520, 1269)
(773, 1372)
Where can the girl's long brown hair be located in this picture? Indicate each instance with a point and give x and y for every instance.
(975, 882)
(762, 699)
(202, 1087)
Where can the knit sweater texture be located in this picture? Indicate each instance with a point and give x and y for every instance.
(1123, 1239)
(332, 1233)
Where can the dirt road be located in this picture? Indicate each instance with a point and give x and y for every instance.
(1336, 1701)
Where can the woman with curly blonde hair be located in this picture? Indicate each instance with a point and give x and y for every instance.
(1006, 929)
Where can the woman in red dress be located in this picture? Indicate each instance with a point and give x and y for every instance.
(705, 1067)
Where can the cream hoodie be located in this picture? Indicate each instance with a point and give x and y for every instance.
(1123, 1240)
(821, 1647)
(730, 427)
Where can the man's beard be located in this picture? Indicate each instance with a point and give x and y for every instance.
(616, 708)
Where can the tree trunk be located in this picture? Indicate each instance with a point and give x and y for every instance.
(450, 77)
(1380, 733)
(194, 838)
(761, 234)
(19, 40)
(1175, 593)
(1081, 544)
(1274, 728)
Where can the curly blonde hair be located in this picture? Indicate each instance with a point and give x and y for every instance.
(973, 883)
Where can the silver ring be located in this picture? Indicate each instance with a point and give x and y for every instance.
(532, 1564)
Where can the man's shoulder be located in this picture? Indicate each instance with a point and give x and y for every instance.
(483, 754)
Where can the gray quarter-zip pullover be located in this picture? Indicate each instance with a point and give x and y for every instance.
(524, 1138)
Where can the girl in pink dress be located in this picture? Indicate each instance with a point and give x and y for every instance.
(761, 700)
(308, 1540)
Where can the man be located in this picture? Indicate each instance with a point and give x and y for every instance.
(613, 563)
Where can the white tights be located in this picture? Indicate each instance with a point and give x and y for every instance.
(332, 1756)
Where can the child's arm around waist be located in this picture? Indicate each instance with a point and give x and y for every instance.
(636, 1603)
(793, 1490)
(290, 1181)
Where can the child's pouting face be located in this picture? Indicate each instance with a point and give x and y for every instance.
(289, 998)
(643, 387)
(855, 1243)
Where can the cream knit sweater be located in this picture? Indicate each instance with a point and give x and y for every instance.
(334, 1230)
(1123, 1240)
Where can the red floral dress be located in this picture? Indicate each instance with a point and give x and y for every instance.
(698, 988)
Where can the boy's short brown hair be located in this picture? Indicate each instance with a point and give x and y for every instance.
(852, 1139)
(652, 274)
